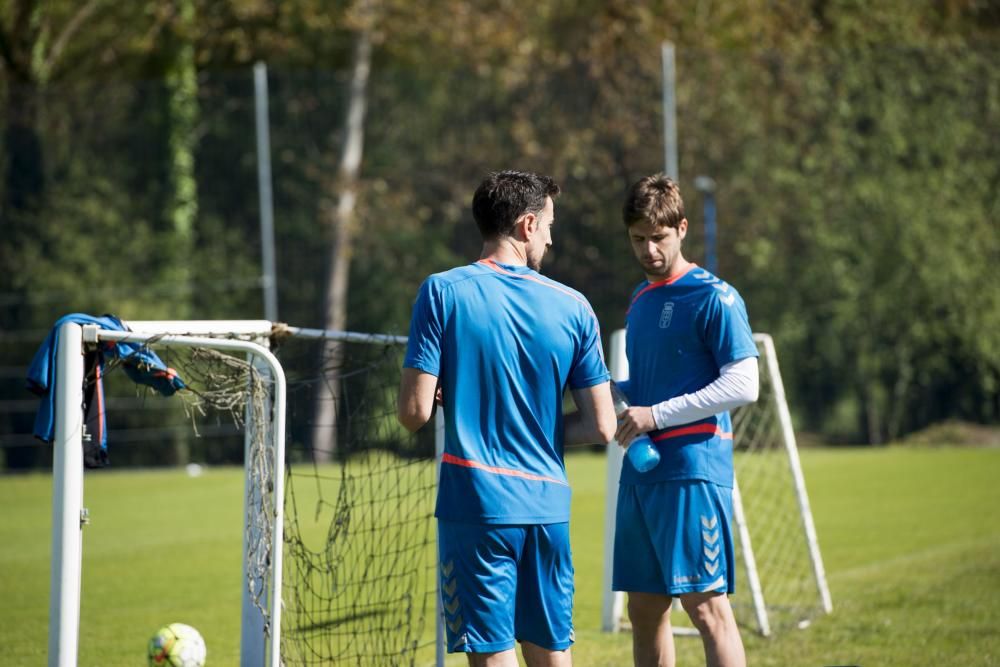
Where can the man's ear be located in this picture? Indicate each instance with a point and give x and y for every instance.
(682, 228)
(527, 225)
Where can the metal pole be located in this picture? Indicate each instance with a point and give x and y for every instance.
(669, 112)
(67, 500)
(706, 186)
(268, 280)
(750, 561)
(613, 602)
(788, 433)
(710, 258)
(253, 630)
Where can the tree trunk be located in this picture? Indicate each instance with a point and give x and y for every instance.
(24, 169)
(24, 189)
(24, 176)
(900, 392)
(341, 218)
(872, 411)
(182, 198)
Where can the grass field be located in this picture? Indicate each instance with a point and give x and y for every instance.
(910, 539)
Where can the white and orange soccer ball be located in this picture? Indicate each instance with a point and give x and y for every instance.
(177, 645)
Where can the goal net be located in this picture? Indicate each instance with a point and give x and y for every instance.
(339, 543)
(360, 552)
(782, 584)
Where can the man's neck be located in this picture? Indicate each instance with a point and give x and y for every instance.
(504, 251)
(677, 269)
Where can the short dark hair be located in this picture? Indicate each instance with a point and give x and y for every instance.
(655, 199)
(504, 196)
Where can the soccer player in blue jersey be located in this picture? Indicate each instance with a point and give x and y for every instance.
(498, 344)
(691, 358)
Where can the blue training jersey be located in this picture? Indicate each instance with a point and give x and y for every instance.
(680, 332)
(505, 342)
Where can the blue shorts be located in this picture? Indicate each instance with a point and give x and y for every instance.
(674, 538)
(505, 583)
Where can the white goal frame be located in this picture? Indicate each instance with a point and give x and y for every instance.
(69, 515)
(612, 607)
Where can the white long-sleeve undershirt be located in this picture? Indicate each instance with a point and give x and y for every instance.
(738, 384)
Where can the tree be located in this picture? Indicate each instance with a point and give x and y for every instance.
(342, 221)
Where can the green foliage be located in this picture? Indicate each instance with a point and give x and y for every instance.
(852, 145)
(893, 243)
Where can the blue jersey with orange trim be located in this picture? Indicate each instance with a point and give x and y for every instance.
(680, 332)
(505, 342)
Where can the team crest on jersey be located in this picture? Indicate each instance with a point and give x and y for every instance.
(666, 314)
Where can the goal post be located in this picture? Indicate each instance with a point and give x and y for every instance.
(339, 551)
(613, 603)
(777, 548)
(69, 516)
(780, 404)
(67, 500)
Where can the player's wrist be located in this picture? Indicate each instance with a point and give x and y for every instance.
(659, 418)
(663, 413)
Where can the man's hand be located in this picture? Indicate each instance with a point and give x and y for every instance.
(633, 421)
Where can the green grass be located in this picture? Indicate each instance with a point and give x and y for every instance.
(910, 540)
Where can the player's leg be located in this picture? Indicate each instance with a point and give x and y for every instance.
(544, 608)
(712, 614)
(652, 635)
(537, 656)
(639, 571)
(710, 565)
(506, 658)
(478, 570)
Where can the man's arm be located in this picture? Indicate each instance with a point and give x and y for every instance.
(594, 421)
(415, 405)
(737, 385)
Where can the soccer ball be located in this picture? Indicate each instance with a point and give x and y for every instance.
(177, 645)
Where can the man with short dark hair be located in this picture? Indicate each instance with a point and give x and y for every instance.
(501, 343)
(691, 359)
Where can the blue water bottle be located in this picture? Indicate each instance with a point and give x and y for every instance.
(641, 452)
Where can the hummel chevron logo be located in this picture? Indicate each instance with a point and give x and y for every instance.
(728, 300)
(447, 568)
(449, 588)
(711, 554)
(711, 538)
(452, 606)
(711, 567)
(724, 287)
(456, 624)
(709, 525)
(703, 275)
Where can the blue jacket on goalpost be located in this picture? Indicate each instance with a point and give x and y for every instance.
(140, 363)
